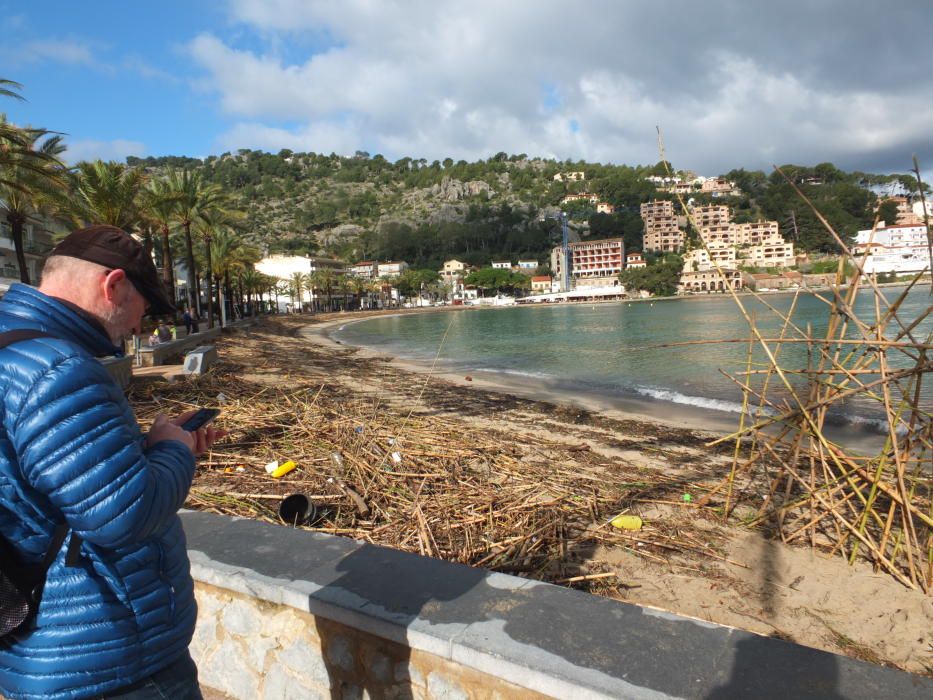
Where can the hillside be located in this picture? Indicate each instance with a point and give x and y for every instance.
(364, 207)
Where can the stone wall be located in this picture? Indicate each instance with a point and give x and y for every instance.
(248, 649)
(287, 613)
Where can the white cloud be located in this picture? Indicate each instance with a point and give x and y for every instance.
(57, 50)
(92, 149)
(437, 79)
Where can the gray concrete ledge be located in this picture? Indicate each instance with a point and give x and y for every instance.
(549, 639)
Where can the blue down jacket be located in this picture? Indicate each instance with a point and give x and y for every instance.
(70, 448)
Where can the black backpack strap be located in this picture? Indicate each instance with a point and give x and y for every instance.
(15, 336)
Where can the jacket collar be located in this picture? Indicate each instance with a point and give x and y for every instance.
(38, 310)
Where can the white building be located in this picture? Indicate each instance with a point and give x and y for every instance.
(391, 269)
(284, 267)
(898, 249)
(501, 264)
(364, 270)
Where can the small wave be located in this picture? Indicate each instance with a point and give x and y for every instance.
(700, 401)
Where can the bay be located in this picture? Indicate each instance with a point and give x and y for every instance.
(609, 352)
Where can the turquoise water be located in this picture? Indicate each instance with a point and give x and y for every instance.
(607, 349)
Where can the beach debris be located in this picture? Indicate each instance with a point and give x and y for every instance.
(337, 459)
(627, 522)
(397, 457)
(221, 398)
(687, 498)
(358, 430)
(468, 378)
(272, 466)
(283, 469)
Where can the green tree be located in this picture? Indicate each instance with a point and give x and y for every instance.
(31, 180)
(106, 193)
(195, 198)
(659, 279)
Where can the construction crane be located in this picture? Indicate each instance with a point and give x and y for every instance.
(565, 253)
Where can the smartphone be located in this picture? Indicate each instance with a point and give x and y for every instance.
(200, 419)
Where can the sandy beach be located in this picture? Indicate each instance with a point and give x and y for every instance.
(481, 461)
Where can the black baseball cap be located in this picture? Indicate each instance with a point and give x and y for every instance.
(115, 248)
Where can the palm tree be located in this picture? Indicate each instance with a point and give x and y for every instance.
(159, 201)
(106, 193)
(31, 180)
(253, 282)
(324, 280)
(298, 283)
(18, 153)
(220, 249)
(195, 199)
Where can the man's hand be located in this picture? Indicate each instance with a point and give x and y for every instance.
(198, 442)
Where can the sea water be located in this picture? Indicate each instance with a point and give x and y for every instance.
(613, 351)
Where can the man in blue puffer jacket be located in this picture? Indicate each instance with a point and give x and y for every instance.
(117, 621)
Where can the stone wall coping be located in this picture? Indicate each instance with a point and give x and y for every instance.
(550, 639)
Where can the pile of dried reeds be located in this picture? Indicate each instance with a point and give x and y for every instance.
(821, 492)
(424, 483)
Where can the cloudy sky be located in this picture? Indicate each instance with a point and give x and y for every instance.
(731, 83)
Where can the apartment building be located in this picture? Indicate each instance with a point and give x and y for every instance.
(37, 243)
(661, 227)
(700, 259)
(711, 215)
(665, 237)
(657, 209)
(758, 232)
(392, 269)
(581, 197)
(906, 215)
(769, 255)
(893, 249)
(709, 281)
(592, 260)
(364, 270)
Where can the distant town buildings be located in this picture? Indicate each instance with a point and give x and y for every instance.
(502, 264)
(899, 249)
(714, 186)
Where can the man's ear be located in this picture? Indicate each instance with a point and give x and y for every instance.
(110, 283)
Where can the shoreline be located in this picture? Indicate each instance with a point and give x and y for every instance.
(716, 422)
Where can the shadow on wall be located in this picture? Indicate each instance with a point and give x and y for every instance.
(381, 580)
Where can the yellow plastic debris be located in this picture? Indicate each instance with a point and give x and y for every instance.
(627, 522)
(283, 469)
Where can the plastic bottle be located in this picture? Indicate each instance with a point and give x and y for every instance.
(283, 469)
(627, 522)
